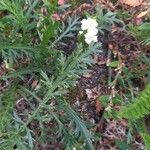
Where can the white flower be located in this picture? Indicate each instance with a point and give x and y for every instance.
(83, 24)
(92, 31)
(80, 32)
(90, 38)
(88, 23)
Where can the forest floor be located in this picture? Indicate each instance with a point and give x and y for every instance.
(101, 84)
(119, 74)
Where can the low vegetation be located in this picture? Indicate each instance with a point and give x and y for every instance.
(65, 85)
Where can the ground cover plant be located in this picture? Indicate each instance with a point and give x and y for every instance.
(74, 75)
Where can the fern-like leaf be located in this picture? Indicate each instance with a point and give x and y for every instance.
(139, 108)
(80, 126)
(6, 108)
(146, 139)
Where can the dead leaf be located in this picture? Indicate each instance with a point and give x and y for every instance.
(124, 122)
(142, 14)
(88, 74)
(106, 4)
(34, 84)
(91, 93)
(132, 3)
(100, 60)
(61, 2)
(97, 105)
(56, 16)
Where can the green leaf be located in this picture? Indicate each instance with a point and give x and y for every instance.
(50, 32)
(146, 138)
(7, 101)
(122, 145)
(114, 64)
(104, 100)
(30, 139)
(140, 107)
(80, 125)
(145, 26)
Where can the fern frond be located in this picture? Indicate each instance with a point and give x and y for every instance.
(7, 100)
(140, 108)
(146, 139)
(13, 52)
(20, 73)
(142, 32)
(16, 13)
(80, 126)
(146, 41)
(54, 86)
(105, 21)
(72, 27)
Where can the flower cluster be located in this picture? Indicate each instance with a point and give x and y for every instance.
(90, 26)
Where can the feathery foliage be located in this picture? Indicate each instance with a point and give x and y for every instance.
(53, 86)
(30, 36)
(146, 139)
(140, 108)
(106, 20)
(7, 100)
(136, 111)
(141, 32)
